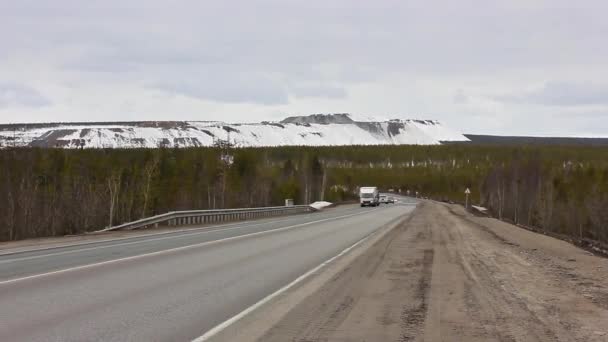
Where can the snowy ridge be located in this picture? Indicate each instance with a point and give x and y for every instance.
(312, 130)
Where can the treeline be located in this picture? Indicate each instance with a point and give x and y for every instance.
(567, 196)
(47, 192)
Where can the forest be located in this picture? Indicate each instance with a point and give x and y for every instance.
(54, 192)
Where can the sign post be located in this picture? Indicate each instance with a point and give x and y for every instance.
(467, 192)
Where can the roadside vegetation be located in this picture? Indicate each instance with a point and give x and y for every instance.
(49, 192)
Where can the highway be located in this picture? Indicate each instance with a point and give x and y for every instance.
(173, 286)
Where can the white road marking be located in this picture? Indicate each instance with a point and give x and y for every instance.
(177, 249)
(219, 328)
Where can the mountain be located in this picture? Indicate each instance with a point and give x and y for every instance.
(311, 130)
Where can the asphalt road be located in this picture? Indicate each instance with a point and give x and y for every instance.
(172, 286)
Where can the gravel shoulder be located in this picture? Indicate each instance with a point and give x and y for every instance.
(445, 275)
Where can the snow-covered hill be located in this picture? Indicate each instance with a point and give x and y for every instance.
(312, 130)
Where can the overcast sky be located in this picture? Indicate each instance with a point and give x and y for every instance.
(520, 67)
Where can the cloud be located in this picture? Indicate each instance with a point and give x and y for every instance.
(14, 94)
(227, 88)
(318, 90)
(460, 97)
(207, 59)
(562, 94)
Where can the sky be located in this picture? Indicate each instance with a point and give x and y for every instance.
(490, 67)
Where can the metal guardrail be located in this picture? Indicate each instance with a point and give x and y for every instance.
(183, 218)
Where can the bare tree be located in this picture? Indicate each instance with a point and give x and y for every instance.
(114, 190)
(149, 171)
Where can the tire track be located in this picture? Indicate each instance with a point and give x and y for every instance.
(413, 318)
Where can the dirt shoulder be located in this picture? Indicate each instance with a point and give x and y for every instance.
(444, 275)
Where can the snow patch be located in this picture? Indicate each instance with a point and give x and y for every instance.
(481, 209)
(319, 205)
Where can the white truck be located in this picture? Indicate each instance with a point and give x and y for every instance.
(369, 196)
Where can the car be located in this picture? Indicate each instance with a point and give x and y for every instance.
(383, 199)
(391, 200)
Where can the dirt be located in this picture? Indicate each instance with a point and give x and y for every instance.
(445, 275)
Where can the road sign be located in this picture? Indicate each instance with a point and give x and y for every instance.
(467, 191)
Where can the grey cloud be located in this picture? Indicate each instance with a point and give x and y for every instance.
(261, 52)
(562, 94)
(14, 94)
(460, 97)
(318, 90)
(227, 88)
(280, 36)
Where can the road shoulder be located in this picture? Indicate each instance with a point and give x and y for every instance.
(255, 326)
(444, 274)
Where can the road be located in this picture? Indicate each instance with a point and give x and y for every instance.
(172, 286)
(446, 275)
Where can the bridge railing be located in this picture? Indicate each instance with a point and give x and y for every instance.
(197, 217)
